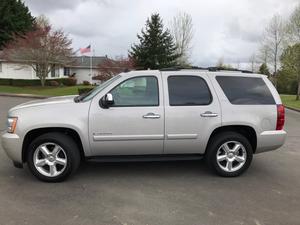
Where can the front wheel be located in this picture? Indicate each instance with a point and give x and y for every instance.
(52, 157)
(229, 154)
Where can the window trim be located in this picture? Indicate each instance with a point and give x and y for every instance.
(201, 78)
(141, 76)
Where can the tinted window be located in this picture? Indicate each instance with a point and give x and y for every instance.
(139, 91)
(188, 90)
(246, 90)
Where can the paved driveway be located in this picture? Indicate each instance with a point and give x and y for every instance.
(157, 193)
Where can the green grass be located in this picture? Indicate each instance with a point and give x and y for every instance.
(45, 91)
(290, 101)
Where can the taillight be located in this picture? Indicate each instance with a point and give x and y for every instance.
(280, 117)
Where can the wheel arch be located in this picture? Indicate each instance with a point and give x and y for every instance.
(247, 131)
(32, 134)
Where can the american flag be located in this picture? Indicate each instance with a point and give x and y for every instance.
(85, 50)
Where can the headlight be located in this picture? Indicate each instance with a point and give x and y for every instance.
(11, 124)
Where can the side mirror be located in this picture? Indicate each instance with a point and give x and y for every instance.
(107, 100)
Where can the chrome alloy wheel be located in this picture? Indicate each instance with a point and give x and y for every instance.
(231, 156)
(50, 159)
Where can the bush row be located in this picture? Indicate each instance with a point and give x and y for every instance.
(84, 90)
(37, 82)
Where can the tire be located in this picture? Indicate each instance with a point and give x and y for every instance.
(220, 154)
(53, 157)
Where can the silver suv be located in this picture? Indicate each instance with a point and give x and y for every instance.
(171, 114)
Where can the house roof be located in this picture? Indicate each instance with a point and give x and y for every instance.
(85, 61)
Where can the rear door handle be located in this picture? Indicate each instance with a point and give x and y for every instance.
(209, 114)
(151, 116)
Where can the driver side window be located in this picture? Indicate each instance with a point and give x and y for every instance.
(138, 91)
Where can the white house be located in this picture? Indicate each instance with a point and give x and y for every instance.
(82, 69)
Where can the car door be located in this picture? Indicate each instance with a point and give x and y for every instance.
(134, 124)
(192, 111)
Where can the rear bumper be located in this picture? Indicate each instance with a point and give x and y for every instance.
(270, 140)
(12, 145)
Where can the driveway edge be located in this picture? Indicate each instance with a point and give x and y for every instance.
(24, 95)
(297, 110)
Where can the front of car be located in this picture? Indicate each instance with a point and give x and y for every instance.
(57, 112)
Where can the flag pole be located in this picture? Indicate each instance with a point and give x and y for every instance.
(91, 65)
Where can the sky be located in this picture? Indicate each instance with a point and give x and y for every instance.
(228, 29)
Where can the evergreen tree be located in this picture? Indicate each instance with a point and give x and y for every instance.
(15, 19)
(156, 49)
(263, 69)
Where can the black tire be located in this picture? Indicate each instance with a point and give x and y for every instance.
(214, 145)
(69, 147)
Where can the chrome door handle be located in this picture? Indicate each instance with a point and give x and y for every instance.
(151, 116)
(209, 114)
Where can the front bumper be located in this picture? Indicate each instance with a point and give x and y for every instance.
(270, 140)
(12, 145)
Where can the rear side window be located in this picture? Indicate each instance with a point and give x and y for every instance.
(246, 90)
(188, 91)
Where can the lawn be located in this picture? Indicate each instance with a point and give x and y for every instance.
(290, 101)
(45, 91)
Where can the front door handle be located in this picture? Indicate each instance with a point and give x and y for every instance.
(151, 116)
(209, 114)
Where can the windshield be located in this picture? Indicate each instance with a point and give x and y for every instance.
(96, 90)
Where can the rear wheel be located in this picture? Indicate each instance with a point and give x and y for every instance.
(229, 154)
(53, 157)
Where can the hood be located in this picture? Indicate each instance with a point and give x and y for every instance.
(47, 101)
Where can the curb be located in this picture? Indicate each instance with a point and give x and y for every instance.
(290, 108)
(24, 95)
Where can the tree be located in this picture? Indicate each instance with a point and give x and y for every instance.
(42, 49)
(273, 42)
(290, 60)
(15, 20)
(182, 31)
(253, 62)
(264, 54)
(221, 65)
(263, 69)
(156, 48)
(293, 27)
(109, 68)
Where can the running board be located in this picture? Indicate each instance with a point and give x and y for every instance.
(145, 158)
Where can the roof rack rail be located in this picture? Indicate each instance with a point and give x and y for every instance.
(210, 69)
(214, 69)
(176, 68)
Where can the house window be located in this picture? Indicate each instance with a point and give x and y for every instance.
(66, 71)
(54, 71)
(0, 66)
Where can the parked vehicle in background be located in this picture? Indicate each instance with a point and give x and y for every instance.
(171, 114)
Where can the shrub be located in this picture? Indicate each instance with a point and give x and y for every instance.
(69, 81)
(85, 82)
(23, 82)
(53, 83)
(37, 82)
(5, 81)
(84, 90)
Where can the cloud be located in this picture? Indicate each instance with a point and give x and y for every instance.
(230, 29)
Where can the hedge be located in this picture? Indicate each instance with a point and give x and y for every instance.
(37, 82)
(84, 90)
